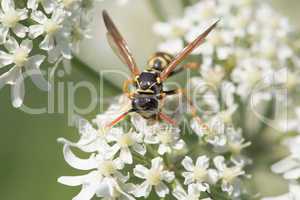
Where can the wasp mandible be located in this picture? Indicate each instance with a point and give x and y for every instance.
(147, 98)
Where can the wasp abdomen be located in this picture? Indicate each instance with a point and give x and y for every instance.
(146, 105)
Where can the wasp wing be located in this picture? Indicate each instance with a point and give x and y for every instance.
(186, 51)
(119, 45)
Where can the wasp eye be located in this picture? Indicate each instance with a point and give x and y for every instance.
(157, 64)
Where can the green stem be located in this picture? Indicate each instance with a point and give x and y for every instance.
(152, 151)
(185, 3)
(157, 9)
(140, 159)
(268, 115)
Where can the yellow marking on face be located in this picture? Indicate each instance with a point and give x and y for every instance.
(145, 91)
(158, 80)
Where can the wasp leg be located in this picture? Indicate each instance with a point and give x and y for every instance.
(171, 92)
(189, 100)
(167, 119)
(190, 65)
(126, 87)
(118, 119)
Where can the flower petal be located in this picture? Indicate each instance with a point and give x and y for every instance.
(77, 163)
(48, 6)
(126, 155)
(139, 148)
(188, 164)
(35, 31)
(284, 165)
(48, 43)
(162, 190)
(179, 145)
(5, 59)
(76, 180)
(87, 192)
(20, 30)
(168, 176)
(26, 44)
(162, 149)
(292, 174)
(143, 190)
(11, 44)
(7, 5)
(22, 13)
(39, 17)
(18, 90)
(140, 171)
(9, 77)
(202, 162)
(32, 4)
(179, 193)
(157, 163)
(219, 162)
(188, 177)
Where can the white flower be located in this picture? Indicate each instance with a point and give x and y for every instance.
(235, 141)
(142, 126)
(51, 27)
(92, 139)
(294, 194)
(154, 177)
(10, 18)
(251, 41)
(172, 29)
(124, 142)
(199, 173)
(174, 32)
(202, 11)
(252, 75)
(290, 166)
(213, 76)
(228, 175)
(193, 193)
(19, 56)
(172, 46)
(68, 4)
(104, 180)
(167, 137)
(48, 5)
(212, 132)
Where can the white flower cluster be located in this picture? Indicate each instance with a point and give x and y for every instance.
(289, 167)
(252, 45)
(33, 33)
(251, 53)
(145, 160)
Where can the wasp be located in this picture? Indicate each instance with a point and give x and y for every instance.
(149, 92)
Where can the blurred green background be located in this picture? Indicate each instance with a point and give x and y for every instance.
(31, 159)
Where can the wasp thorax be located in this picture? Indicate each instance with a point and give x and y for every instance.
(159, 61)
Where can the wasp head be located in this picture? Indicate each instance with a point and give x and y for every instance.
(159, 61)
